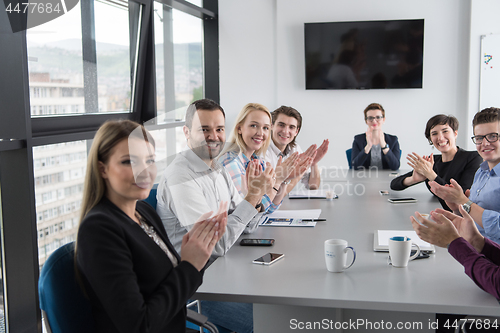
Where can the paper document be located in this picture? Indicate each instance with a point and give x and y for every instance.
(381, 240)
(296, 214)
(280, 217)
(309, 194)
(286, 222)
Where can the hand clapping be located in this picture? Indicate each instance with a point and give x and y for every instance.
(199, 242)
(422, 167)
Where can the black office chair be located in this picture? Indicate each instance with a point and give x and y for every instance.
(63, 304)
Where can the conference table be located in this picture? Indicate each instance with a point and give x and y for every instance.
(297, 292)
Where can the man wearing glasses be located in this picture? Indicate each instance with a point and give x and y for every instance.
(483, 201)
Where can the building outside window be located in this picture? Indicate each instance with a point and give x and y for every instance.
(83, 68)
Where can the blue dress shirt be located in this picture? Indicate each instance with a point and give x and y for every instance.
(485, 192)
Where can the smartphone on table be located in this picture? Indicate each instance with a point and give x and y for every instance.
(268, 258)
(256, 242)
(401, 200)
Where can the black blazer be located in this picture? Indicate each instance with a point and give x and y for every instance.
(131, 283)
(462, 168)
(362, 160)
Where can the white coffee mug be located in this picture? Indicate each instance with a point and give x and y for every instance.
(336, 255)
(399, 250)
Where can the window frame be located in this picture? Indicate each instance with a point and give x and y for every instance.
(20, 133)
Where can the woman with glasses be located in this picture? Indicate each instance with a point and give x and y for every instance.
(472, 232)
(483, 203)
(374, 148)
(454, 163)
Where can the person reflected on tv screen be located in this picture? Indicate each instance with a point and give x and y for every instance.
(374, 148)
(340, 75)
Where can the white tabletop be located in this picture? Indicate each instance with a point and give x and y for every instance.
(437, 284)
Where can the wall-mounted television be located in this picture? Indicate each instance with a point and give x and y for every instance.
(364, 54)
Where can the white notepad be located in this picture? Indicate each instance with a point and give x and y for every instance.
(381, 240)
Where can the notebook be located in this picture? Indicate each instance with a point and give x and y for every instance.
(381, 240)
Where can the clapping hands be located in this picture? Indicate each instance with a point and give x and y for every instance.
(422, 167)
(199, 242)
(260, 181)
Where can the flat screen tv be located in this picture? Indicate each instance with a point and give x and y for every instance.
(364, 54)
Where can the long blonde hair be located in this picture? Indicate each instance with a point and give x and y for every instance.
(236, 140)
(94, 188)
(106, 138)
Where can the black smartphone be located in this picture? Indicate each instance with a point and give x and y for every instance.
(268, 259)
(401, 200)
(256, 242)
(422, 255)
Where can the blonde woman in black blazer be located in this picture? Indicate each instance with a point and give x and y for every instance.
(134, 278)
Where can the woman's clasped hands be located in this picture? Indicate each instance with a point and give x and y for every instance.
(422, 167)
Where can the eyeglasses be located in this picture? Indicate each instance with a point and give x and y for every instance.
(491, 137)
(377, 118)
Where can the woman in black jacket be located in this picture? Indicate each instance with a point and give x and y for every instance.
(134, 278)
(454, 162)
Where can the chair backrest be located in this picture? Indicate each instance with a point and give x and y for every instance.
(348, 153)
(62, 300)
(151, 199)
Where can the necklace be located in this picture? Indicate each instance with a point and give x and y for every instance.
(150, 231)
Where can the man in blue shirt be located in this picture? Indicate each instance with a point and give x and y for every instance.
(483, 200)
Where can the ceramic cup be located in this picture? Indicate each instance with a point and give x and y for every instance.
(329, 195)
(336, 255)
(399, 250)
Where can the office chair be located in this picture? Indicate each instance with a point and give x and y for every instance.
(348, 153)
(63, 304)
(151, 199)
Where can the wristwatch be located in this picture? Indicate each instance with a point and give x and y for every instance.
(386, 146)
(466, 206)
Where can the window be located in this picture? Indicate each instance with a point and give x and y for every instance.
(58, 193)
(113, 56)
(76, 82)
(179, 61)
(55, 62)
(67, 76)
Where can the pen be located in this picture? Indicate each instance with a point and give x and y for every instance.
(314, 220)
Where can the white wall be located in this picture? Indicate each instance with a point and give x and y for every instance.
(484, 21)
(246, 55)
(262, 60)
